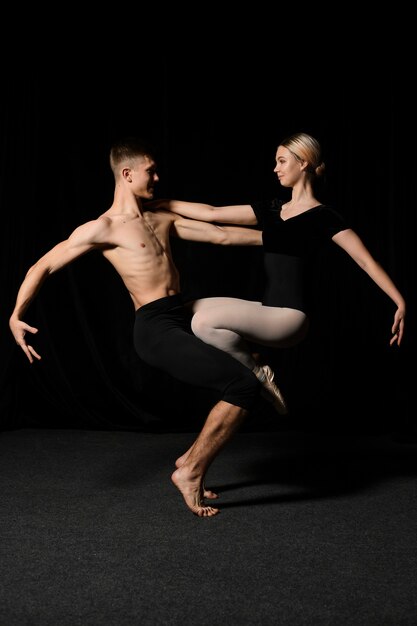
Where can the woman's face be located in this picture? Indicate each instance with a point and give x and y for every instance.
(288, 169)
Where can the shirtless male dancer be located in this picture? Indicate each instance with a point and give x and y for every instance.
(136, 241)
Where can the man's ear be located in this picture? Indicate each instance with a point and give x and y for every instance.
(127, 174)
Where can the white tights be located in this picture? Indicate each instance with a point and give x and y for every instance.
(228, 323)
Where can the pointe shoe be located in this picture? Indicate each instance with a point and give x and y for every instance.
(270, 391)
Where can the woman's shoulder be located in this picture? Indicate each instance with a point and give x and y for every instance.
(331, 218)
(269, 204)
(330, 209)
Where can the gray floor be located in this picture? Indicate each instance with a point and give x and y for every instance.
(312, 530)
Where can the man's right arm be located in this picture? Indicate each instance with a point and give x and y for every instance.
(84, 238)
(233, 214)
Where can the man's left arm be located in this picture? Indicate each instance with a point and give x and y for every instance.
(194, 230)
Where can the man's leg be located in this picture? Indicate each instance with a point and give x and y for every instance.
(163, 339)
(221, 424)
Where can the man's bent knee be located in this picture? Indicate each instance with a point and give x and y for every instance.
(244, 390)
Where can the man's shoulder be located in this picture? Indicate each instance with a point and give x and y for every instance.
(158, 211)
(92, 232)
(161, 216)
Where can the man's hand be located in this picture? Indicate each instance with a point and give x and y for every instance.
(398, 327)
(19, 330)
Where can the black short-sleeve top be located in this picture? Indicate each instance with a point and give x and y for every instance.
(288, 246)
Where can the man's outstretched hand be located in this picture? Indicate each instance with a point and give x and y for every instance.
(19, 330)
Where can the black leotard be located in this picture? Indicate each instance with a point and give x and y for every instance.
(288, 246)
(163, 338)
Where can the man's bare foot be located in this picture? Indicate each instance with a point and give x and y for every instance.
(207, 493)
(192, 492)
(181, 459)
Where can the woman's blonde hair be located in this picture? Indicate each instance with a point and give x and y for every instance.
(304, 147)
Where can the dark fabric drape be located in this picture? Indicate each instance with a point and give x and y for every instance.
(218, 146)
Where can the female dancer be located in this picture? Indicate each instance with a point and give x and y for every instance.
(291, 232)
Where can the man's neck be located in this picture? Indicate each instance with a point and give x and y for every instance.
(126, 202)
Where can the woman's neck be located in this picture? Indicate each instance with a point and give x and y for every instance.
(302, 199)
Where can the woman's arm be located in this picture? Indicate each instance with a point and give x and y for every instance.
(233, 214)
(351, 243)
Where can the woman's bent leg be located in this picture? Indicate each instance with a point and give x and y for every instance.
(229, 323)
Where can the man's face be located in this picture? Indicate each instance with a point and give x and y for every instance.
(144, 178)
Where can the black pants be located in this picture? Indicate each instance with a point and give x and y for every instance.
(163, 338)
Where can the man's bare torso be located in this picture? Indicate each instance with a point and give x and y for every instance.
(138, 247)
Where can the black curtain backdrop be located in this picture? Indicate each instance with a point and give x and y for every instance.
(216, 124)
